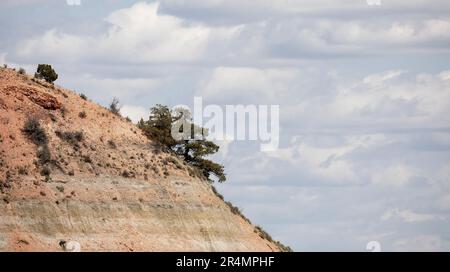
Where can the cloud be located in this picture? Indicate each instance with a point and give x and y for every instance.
(404, 34)
(419, 243)
(135, 113)
(257, 9)
(103, 90)
(378, 129)
(22, 2)
(307, 159)
(380, 101)
(247, 84)
(3, 58)
(444, 202)
(138, 34)
(396, 175)
(410, 216)
(377, 80)
(142, 34)
(301, 5)
(313, 99)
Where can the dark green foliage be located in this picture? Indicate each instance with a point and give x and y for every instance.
(37, 135)
(53, 117)
(127, 174)
(45, 171)
(233, 209)
(63, 112)
(263, 234)
(155, 169)
(46, 72)
(22, 71)
(7, 183)
(283, 247)
(112, 144)
(209, 167)
(44, 154)
(114, 106)
(22, 170)
(4, 185)
(72, 137)
(83, 96)
(35, 132)
(194, 149)
(175, 162)
(219, 195)
(87, 159)
(158, 126)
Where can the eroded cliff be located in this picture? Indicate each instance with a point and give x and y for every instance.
(105, 185)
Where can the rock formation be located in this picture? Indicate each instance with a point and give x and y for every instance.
(106, 187)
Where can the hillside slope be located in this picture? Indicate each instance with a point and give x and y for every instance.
(105, 185)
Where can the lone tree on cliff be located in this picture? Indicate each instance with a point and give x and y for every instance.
(45, 71)
(158, 126)
(193, 147)
(114, 107)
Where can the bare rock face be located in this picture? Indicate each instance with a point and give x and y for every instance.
(117, 214)
(42, 99)
(110, 190)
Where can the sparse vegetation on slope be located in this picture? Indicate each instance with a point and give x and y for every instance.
(71, 137)
(263, 234)
(37, 135)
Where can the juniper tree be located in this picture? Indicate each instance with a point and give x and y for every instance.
(175, 130)
(46, 72)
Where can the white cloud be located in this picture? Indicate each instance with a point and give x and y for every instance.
(3, 58)
(444, 202)
(104, 89)
(410, 216)
(135, 113)
(29, 68)
(379, 79)
(21, 2)
(139, 34)
(393, 99)
(246, 83)
(302, 6)
(120, 86)
(389, 100)
(395, 175)
(418, 243)
(398, 33)
(306, 160)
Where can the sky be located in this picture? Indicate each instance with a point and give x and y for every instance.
(363, 91)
